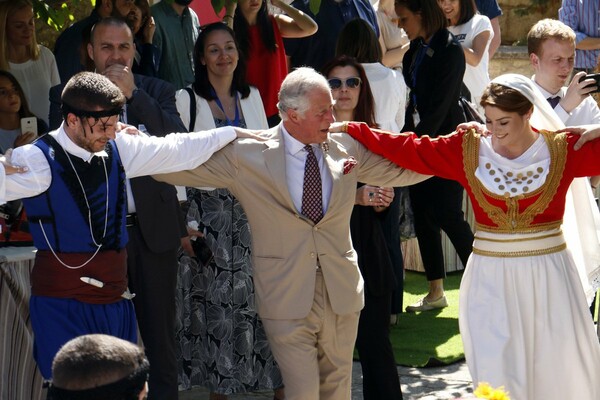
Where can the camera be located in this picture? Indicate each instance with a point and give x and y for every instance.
(595, 77)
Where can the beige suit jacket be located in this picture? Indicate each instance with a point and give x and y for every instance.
(285, 244)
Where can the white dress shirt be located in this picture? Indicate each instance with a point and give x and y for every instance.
(140, 154)
(295, 159)
(585, 113)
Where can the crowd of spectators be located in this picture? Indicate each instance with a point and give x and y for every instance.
(400, 65)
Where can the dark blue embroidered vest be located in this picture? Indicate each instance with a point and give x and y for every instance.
(62, 209)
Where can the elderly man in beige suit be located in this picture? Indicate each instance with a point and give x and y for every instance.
(309, 290)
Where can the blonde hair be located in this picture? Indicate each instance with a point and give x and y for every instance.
(548, 29)
(7, 8)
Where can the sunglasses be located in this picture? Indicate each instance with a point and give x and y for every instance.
(350, 83)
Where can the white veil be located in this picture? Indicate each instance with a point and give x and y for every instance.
(581, 222)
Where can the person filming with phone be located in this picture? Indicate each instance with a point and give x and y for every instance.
(18, 125)
(551, 47)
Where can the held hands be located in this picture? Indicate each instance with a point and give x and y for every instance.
(479, 128)
(336, 127)
(577, 92)
(374, 196)
(587, 133)
(10, 169)
(243, 133)
(128, 129)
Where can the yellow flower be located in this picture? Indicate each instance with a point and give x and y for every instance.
(485, 391)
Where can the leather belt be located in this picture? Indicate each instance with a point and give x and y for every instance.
(131, 220)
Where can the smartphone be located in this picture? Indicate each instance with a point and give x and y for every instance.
(595, 77)
(29, 124)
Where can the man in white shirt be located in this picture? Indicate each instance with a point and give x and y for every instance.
(551, 47)
(76, 201)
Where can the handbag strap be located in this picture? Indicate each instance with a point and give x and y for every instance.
(192, 108)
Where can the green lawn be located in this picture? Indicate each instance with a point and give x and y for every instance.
(428, 338)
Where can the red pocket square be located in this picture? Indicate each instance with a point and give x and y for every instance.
(349, 164)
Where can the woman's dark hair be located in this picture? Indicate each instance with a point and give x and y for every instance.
(265, 28)
(357, 39)
(432, 16)
(468, 9)
(505, 98)
(365, 108)
(24, 109)
(146, 15)
(202, 85)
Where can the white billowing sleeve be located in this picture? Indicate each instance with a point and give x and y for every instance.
(147, 155)
(31, 183)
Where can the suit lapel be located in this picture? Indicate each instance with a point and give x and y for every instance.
(274, 156)
(334, 160)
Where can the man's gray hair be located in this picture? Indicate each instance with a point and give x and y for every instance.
(294, 90)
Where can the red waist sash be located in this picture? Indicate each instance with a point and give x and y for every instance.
(52, 279)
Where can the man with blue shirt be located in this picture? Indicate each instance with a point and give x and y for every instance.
(582, 16)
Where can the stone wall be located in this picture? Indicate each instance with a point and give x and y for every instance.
(513, 59)
(518, 16)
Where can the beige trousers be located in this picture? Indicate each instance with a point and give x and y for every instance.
(315, 353)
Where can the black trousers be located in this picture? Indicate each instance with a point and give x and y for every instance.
(380, 376)
(437, 205)
(391, 230)
(153, 278)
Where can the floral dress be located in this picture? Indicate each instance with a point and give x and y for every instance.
(222, 342)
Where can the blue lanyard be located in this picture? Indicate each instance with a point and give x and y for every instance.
(414, 69)
(236, 119)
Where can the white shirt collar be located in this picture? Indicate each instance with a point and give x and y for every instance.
(70, 147)
(547, 93)
(294, 147)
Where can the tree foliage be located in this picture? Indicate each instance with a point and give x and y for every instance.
(56, 13)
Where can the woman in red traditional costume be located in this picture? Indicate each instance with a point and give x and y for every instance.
(523, 318)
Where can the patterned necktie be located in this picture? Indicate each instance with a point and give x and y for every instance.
(554, 100)
(312, 198)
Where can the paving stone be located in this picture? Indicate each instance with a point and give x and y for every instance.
(438, 383)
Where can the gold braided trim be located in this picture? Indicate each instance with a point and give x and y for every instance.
(521, 239)
(530, 229)
(513, 219)
(524, 253)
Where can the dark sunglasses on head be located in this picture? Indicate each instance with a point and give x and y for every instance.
(350, 83)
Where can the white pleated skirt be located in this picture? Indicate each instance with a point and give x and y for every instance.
(524, 319)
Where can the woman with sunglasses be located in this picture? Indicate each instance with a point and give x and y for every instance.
(221, 293)
(260, 35)
(357, 39)
(433, 68)
(354, 102)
